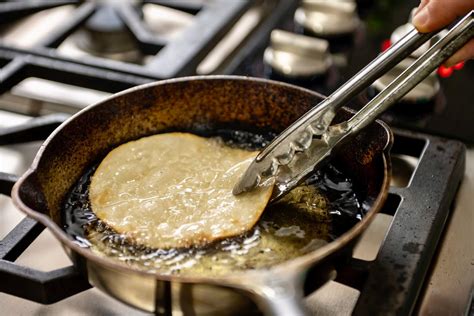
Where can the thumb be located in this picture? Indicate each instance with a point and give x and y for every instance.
(435, 14)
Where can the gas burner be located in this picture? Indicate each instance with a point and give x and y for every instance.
(106, 35)
(109, 39)
(134, 32)
(328, 18)
(297, 56)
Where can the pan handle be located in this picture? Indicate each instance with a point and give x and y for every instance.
(279, 294)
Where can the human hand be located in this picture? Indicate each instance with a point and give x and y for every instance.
(435, 14)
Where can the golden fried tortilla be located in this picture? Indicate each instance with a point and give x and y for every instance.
(175, 190)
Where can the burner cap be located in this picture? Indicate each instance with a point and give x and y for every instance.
(105, 33)
(328, 18)
(294, 55)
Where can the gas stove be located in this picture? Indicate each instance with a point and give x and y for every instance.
(56, 57)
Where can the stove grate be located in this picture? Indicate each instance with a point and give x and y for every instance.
(174, 57)
(38, 286)
(392, 282)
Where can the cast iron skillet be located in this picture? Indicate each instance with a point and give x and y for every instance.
(186, 104)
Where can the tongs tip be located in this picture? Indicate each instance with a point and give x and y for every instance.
(247, 183)
(238, 189)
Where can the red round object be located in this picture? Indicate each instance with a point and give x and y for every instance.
(459, 66)
(445, 72)
(385, 45)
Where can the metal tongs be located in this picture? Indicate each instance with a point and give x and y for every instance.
(298, 150)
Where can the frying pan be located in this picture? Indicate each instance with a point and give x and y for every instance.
(187, 104)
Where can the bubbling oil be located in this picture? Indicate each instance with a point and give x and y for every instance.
(309, 217)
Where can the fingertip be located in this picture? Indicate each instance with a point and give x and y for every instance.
(436, 14)
(420, 20)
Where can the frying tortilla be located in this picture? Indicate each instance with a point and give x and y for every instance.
(175, 190)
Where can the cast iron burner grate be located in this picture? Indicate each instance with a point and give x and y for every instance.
(174, 57)
(395, 278)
